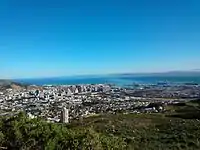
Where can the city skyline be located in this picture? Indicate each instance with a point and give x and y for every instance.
(60, 38)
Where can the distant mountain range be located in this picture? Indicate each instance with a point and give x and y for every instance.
(5, 84)
(166, 74)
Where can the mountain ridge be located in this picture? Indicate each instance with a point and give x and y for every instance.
(167, 74)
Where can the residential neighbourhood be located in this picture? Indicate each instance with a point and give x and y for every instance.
(85, 100)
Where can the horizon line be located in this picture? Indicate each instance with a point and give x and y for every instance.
(104, 74)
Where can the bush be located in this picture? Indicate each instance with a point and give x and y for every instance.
(22, 133)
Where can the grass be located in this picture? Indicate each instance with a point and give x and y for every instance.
(178, 129)
(189, 110)
(151, 131)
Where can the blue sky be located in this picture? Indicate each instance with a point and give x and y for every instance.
(41, 38)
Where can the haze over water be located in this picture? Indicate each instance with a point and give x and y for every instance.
(120, 80)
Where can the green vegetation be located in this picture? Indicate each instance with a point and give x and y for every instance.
(190, 110)
(149, 131)
(22, 133)
(130, 131)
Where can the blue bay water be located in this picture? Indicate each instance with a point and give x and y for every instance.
(116, 79)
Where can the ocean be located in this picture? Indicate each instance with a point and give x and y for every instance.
(120, 80)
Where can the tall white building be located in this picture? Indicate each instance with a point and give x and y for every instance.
(76, 91)
(69, 92)
(65, 115)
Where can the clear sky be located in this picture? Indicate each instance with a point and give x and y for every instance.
(41, 38)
